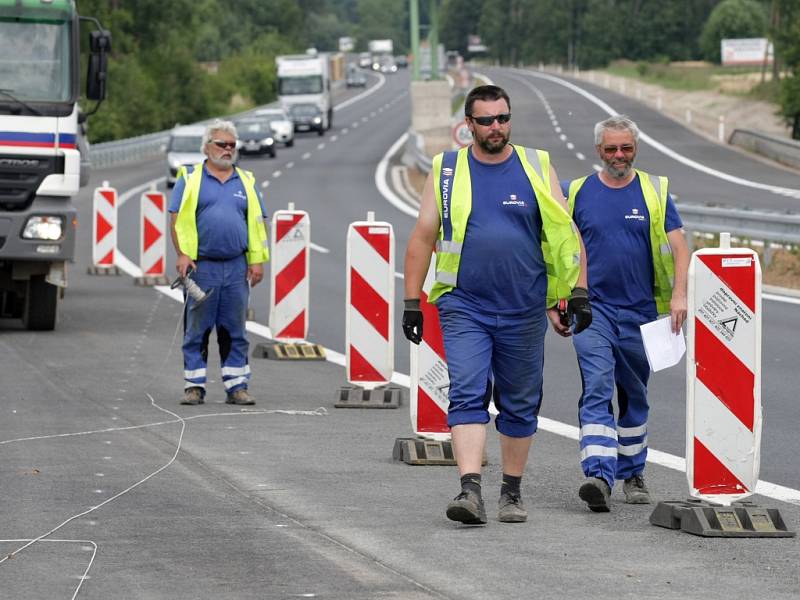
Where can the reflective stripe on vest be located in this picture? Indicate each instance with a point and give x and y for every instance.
(186, 221)
(453, 189)
(655, 192)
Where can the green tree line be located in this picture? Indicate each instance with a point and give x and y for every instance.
(592, 33)
(180, 61)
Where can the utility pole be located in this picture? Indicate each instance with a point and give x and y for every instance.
(433, 38)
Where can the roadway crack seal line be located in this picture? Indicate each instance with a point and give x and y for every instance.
(793, 193)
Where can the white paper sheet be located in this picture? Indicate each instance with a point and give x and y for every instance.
(663, 348)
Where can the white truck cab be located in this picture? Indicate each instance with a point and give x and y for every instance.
(305, 79)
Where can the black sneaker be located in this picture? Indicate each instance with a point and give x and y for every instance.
(467, 508)
(636, 491)
(511, 509)
(597, 494)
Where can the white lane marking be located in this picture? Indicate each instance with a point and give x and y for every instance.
(570, 146)
(306, 156)
(354, 125)
(597, 167)
(776, 298)
(558, 129)
(364, 119)
(555, 124)
(81, 578)
(364, 94)
(318, 248)
(399, 275)
(320, 146)
(345, 130)
(563, 137)
(380, 179)
(334, 138)
(793, 193)
(290, 164)
(580, 156)
(265, 183)
(372, 114)
(276, 174)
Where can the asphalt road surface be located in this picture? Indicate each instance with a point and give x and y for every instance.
(113, 490)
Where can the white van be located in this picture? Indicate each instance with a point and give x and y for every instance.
(185, 148)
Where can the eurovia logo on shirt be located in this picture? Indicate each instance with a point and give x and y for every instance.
(239, 194)
(512, 200)
(635, 215)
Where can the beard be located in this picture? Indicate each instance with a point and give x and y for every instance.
(618, 172)
(492, 143)
(223, 163)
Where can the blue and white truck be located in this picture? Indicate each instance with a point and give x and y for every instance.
(41, 144)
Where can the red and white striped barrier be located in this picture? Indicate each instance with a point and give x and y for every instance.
(104, 226)
(723, 373)
(369, 325)
(430, 381)
(153, 227)
(288, 310)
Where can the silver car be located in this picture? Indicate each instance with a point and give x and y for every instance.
(282, 126)
(184, 149)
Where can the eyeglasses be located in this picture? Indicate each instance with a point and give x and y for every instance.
(487, 121)
(223, 144)
(625, 148)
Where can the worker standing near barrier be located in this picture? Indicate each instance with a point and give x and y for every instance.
(219, 234)
(638, 260)
(486, 210)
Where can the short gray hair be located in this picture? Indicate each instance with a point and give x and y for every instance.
(617, 123)
(218, 125)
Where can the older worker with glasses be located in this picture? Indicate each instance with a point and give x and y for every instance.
(638, 261)
(219, 235)
(486, 210)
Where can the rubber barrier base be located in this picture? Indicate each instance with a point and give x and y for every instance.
(384, 396)
(151, 280)
(103, 271)
(418, 451)
(741, 519)
(281, 351)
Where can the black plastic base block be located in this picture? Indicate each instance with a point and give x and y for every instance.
(383, 396)
(103, 271)
(151, 280)
(281, 351)
(418, 451)
(741, 519)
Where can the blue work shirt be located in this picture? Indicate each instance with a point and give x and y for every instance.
(221, 215)
(615, 227)
(502, 270)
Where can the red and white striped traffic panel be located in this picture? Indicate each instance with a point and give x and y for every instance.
(289, 289)
(369, 322)
(104, 226)
(430, 380)
(723, 373)
(153, 246)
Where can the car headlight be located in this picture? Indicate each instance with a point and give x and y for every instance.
(175, 164)
(267, 141)
(43, 228)
(317, 120)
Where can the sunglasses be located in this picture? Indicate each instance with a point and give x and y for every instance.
(487, 121)
(612, 150)
(223, 144)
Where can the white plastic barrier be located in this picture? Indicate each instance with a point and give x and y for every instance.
(369, 327)
(104, 226)
(723, 373)
(289, 286)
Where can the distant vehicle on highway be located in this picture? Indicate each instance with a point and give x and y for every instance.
(282, 126)
(255, 136)
(356, 78)
(365, 60)
(184, 149)
(307, 117)
(401, 60)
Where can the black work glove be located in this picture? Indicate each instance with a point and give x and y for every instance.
(412, 320)
(578, 309)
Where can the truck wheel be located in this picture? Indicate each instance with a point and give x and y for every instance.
(41, 302)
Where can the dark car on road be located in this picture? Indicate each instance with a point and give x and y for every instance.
(306, 117)
(255, 137)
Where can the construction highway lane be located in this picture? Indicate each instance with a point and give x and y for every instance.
(297, 499)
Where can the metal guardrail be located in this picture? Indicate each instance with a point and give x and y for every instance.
(783, 150)
(755, 225)
(129, 150)
(414, 155)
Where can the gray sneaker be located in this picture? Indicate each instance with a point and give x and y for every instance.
(597, 494)
(467, 508)
(192, 396)
(511, 509)
(636, 491)
(240, 397)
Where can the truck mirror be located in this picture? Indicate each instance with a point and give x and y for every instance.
(97, 75)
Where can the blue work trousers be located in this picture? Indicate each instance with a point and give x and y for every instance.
(225, 309)
(611, 354)
(482, 348)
